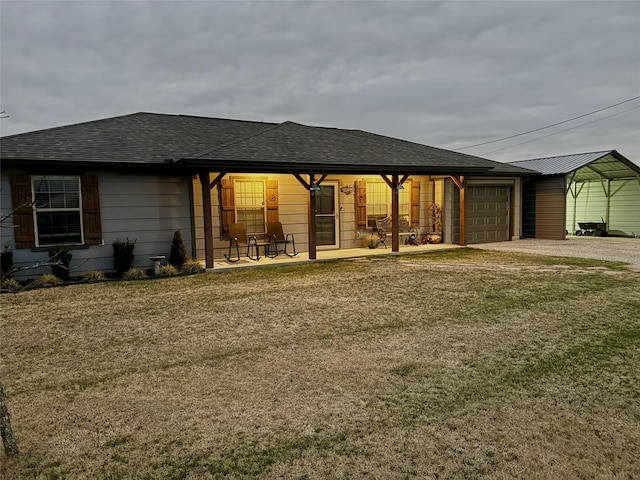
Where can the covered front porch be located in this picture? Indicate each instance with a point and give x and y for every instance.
(328, 255)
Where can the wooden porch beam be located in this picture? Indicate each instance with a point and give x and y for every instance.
(322, 179)
(302, 180)
(461, 183)
(216, 181)
(387, 180)
(403, 179)
(206, 212)
(457, 181)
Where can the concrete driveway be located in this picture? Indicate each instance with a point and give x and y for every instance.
(600, 248)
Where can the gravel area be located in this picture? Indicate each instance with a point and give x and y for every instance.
(600, 248)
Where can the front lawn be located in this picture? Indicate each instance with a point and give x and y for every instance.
(462, 364)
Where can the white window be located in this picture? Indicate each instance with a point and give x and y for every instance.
(250, 204)
(379, 202)
(57, 211)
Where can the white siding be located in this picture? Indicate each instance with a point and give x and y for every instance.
(148, 208)
(6, 232)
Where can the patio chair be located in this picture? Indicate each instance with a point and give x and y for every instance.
(383, 225)
(238, 237)
(276, 236)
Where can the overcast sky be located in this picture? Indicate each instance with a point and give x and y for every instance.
(442, 74)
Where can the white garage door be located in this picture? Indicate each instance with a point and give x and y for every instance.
(487, 214)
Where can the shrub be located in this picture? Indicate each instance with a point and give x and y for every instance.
(10, 285)
(178, 254)
(47, 280)
(123, 255)
(168, 271)
(6, 263)
(191, 267)
(63, 257)
(93, 276)
(134, 274)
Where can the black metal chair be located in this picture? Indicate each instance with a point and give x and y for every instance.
(276, 236)
(238, 237)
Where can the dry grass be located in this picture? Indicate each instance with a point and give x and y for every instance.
(460, 364)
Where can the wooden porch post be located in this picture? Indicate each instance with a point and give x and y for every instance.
(208, 224)
(461, 183)
(312, 217)
(395, 214)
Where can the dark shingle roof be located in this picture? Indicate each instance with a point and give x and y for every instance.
(135, 138)
(591, 166)
(147, 139)
(329, 150)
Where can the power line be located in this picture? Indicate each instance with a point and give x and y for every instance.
(559, 131)
(548, 126)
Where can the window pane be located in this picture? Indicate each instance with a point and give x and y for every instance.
(249, 193)
(56, 228)
(253, 218)
(325, 200)
(56, 192)
(378, 201)
(325, 231)
(250, 204)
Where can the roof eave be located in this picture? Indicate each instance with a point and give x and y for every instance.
(198, 164)
(67, 165)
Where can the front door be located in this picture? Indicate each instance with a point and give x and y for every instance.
(327, 233)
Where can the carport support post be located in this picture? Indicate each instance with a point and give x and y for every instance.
(206, 212)
(312, 217)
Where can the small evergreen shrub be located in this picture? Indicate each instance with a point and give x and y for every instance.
(6, 263)
(63, 257)
(168, 271)
(123, 255)
(47, 280)
(10, 285)
(134, 274)
(178, 254)
(191, 267)
(93, 276)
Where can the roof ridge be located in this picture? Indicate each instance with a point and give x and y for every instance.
(237, 140)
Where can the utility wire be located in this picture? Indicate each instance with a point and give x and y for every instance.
(559, 131)
(548, 126)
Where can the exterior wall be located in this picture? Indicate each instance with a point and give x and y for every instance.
(293, 210)
(544, 209)
(590, 205)
(148, 208)
(452, 203)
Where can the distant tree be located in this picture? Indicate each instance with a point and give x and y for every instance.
(178, 254)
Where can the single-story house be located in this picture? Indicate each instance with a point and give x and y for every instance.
(595, 187)
(143, 176)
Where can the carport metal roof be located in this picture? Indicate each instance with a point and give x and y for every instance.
(585, 167)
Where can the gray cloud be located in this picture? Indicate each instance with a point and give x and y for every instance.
(444, 74)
